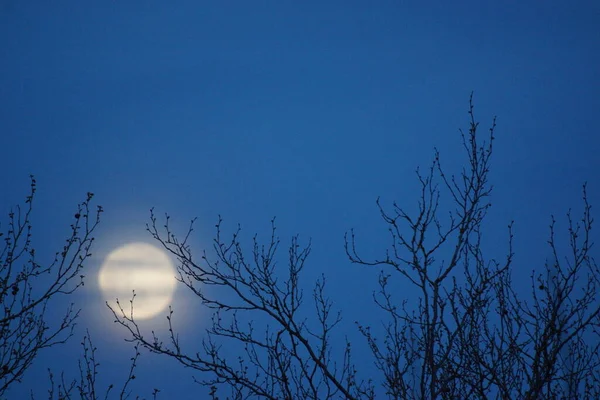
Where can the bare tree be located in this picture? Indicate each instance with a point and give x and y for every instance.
(86, 387)
(289, 358)
(471, 335)
(28, 288)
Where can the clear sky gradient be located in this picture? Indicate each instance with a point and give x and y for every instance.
(307, 111)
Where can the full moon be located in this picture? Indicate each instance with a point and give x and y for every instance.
(144, 269)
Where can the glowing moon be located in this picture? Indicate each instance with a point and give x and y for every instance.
(143, 268)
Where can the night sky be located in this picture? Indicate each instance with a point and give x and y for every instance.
(304, 111)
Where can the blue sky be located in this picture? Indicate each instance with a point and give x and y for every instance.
(307, 111)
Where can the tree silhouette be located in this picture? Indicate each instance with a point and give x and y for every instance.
(28, 291)
(470, 335)
(86, 386)
(28, 288)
